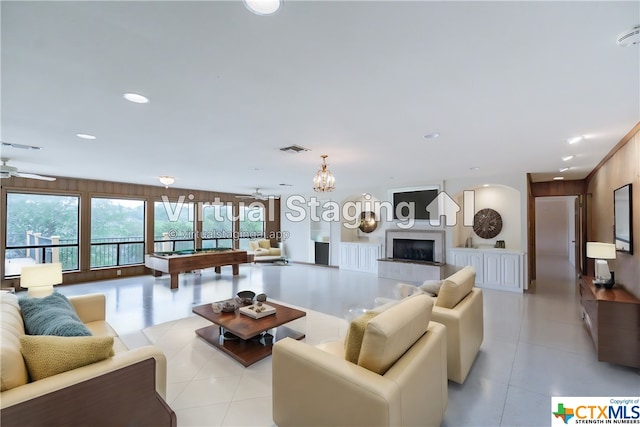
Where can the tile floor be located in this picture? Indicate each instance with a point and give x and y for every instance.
(535, 346)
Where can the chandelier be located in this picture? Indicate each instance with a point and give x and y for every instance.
(324, 180)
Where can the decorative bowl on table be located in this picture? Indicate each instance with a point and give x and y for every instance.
(246, 297)
(229, 307)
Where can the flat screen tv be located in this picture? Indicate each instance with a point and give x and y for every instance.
(418, 198)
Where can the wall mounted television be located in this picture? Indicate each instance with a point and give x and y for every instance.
(622, 219)
(418, 197)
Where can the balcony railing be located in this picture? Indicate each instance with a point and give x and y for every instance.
(115, 251)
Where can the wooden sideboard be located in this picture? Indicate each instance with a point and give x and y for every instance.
(612, 318)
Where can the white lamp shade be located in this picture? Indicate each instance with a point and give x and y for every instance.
(599, 250)
(40, 278)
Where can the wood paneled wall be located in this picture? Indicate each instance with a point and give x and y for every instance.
(86, 189)
(620, 167)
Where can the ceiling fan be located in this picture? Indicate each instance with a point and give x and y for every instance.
(258, 195)
(9, 171)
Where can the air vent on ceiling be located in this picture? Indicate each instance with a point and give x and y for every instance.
(294, 149)
(629, 37)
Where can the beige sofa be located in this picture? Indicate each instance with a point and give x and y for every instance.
(399, 378)
(127, 388)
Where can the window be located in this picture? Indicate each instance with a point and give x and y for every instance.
(117, 232)
(41, 228)
(251, 223)
(173, 225)
(217, 226)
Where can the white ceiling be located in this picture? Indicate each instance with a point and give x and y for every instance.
(505, 83)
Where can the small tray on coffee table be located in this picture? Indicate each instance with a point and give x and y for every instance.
(251, 311)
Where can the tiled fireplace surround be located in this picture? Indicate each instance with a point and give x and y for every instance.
(436, 235)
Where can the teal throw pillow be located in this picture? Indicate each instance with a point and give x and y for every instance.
(51, 315)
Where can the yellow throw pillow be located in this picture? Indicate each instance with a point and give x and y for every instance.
(353, 339)
(47, 355)
(264, 244)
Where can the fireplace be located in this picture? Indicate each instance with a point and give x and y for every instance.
(413, 250)
(415, 245)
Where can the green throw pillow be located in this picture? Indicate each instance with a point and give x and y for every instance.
(46, 356)
(51, 315)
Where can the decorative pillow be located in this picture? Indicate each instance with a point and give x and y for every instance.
(51, 315)
(403, 290)
(50, 355)
(431, 287)
(264, 244)
(353, 339)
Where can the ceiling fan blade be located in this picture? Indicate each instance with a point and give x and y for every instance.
(33, 176)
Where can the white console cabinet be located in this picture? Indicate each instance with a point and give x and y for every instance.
(360, 256)
(495, 268)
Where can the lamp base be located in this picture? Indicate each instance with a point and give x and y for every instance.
(604, 283)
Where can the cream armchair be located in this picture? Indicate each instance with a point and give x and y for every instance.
(400, 378)
(459, 307)
(263, 247)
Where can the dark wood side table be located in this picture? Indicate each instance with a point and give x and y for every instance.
(612, 318)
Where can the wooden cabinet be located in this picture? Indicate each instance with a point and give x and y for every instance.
(612, 319)
(495, 268)
(360, 256)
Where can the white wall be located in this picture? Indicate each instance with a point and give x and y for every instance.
(298, 245)
(555, 227)
(505, 201)
(506, 194)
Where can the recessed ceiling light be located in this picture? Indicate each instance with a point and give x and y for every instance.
(475, 168)
(485, 185)
(85, 136)
(263, 7)
(137, 98)
(563, 169)
(433, 135)
(567, 158)
(558, 178)
(575, 139)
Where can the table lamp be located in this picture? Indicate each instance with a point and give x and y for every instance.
(40, 278)
(601, 252)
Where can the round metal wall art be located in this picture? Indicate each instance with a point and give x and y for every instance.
(487, 223)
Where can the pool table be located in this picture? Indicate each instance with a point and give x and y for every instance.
(179, 262)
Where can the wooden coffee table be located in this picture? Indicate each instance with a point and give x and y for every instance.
(250, 343)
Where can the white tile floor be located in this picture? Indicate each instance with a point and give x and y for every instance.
(535, 346)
